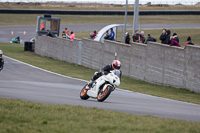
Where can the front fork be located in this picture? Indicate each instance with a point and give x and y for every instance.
(95, 87)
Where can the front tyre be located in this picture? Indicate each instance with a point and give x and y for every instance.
(83, 93)
(102, 95)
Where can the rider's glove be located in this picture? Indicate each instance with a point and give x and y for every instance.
(95, 73)
(102, 73)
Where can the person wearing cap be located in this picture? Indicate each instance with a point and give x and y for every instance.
(143, 38)
(149, 38)
(1, 60)
(112, 34)
(127, 39)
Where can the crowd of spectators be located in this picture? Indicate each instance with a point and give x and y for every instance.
(165, 38)
(139, 37)
(65, 34)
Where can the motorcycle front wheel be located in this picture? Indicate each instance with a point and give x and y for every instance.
(102, 95)
(83, 93)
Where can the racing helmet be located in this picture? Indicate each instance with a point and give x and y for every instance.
(116, 64)
(1, 53)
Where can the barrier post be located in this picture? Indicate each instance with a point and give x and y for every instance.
(80, 53)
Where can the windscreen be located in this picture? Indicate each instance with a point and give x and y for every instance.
(117, 72)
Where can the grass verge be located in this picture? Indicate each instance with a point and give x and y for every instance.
(86, 73)
(18, 116)
(27, 19)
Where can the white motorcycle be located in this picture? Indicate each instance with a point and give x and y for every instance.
(102, 87)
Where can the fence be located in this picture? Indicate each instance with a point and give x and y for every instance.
(154, 62)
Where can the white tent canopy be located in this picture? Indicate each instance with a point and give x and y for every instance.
(102, 32)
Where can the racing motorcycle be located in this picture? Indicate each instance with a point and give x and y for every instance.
(102, 87)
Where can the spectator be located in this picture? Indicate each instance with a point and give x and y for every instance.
(93, 35)
(1, 60)
(143, 38)
(17, 39)
(137, 37)
(167, 40)
(149, 38)
(107, 36)
(176, 37)
(72, 36)
(42, 26)
(63, 34)
(112, 34)
(189, 41)
(173, 42)
(49, 34)
(163, 36)
(127, 39)
(66, 32)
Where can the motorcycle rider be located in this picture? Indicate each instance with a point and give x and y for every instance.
(1, 60)
(116, 65)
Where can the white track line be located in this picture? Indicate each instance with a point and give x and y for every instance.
(45, 70)
(56, 73)
(87, 81)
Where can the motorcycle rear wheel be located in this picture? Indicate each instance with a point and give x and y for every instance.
(102, 95)
(83, 93)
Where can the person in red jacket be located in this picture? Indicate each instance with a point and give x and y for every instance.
(93, 35)
(189, 41)
(173, 42)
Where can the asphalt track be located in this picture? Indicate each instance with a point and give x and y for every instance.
(22, 81)
(5, 31)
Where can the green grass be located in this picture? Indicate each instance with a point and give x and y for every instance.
(85, 73)
(27, 19)
(182, 34)
(18, 116)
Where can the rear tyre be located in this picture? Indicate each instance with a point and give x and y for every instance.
(102, 95)
(83, 93)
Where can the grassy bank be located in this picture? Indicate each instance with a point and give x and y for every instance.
(86, 73)
(29, 117)
(182, 34)
(27, 19)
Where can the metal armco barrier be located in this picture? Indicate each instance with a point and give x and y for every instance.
(63, 12)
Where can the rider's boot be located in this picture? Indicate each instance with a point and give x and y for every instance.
(90, 83)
